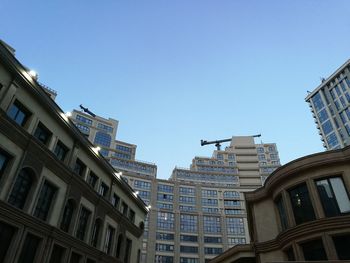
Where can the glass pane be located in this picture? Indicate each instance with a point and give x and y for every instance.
(340, 194)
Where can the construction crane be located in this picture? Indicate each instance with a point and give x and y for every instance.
(218, 142)
(87, 111)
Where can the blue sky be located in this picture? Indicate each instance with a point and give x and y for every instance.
(176, 72)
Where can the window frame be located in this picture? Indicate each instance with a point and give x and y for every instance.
(20, 108)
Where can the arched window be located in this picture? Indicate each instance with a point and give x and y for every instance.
(21, 188)
(119, 245)
(103, 139)
(96, 232)
(67, 215)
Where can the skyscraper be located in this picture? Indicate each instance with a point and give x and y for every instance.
(330, 105)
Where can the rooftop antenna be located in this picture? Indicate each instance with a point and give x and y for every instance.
(87, 110)
(218, 142)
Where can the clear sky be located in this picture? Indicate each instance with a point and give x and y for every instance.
(175, 72)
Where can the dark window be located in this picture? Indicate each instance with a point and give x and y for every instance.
(119, 245)
(75, 258)
(29, 249)
(333, 195)
(47, 194)
(127, 251)
(4, 159)
(109, 239)
(301, 204)
(188, 249)
(341, 244)
(96, 233)
(60, 151)
(82, 223)
(212, 239)
(92, 179)
(67, 216)
(57, 254)
(103, 189)
(6, 234)
(79, 167)
(90, 261)
(282, 213)
(188, 238)
(290, 254)
(313, 250)
(124, 209)
(21, 189)
(131, 216)
(18, 113)
(42, 133)
(115, 200)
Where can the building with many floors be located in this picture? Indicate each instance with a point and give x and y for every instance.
(301, 214)
(200, 211)
(330, 106)
(60, 200)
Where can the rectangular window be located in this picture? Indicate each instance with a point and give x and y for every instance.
(131, 216)
(103, 189)
(188, 223)
(109, 240)
(163, 259)
(4, 159)
(29, 249)
(127, 251)
(60, 151)
(18, 113)
(57, 254)
(235, 226)
(46, 197)
(124, 209)
(75, 258)
(165, 220)
(164, 236)
(212, 239)
(188, 249)
(282, 213)
(79, 167)
(115, 200)
(165, 188)
(164, 247)
(42, 133)
(341, 244)
(211, 224)
(82, 223)
(212, 250)
(92, 179)
(301, 204)
(314, 250)
(6, 234)
(189, 260)
(333, 195)
(189, 238)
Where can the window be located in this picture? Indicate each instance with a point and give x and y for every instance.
(212, 250)
(115, 200)
(79, 167)
(211, 210)
(105, 127)
(92, 179)
(262, 157)
(119, 245)
(290, 254)
(235, 226)
(232, 241)
(165, 220)
(60, 151)
(84, 120)
(165, 188)
(6, 234)
(188, 249)
(234, 203)
(189, 260)
(164, 247)
(4, 159)
(188, 238)
(21, 188)
(142, 185)
(164, 236)
(187, 190)
(75, 258)
(103, 189)
(209, 193)
(313, 250)
(231, 194)
(341, 244)
(46, 197)
(211, 224)
(127, 250)
(131, 216)
(96, 232)
(67, 215)
(108, 240)
(301, 204)
(165, 197)
(103, 139)
(83, 223)
(333, 195)
(186, 199)
(84, 129)
(165, 206)
(188, 223)
(187, 208)
(124, 209)
(42, 133)
(163, 259)
(282, 213)
(57, 254)
(29, 248)
(212, 239)
(18, 113)
(209, 202)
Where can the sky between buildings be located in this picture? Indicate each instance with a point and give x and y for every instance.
(174, 72)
